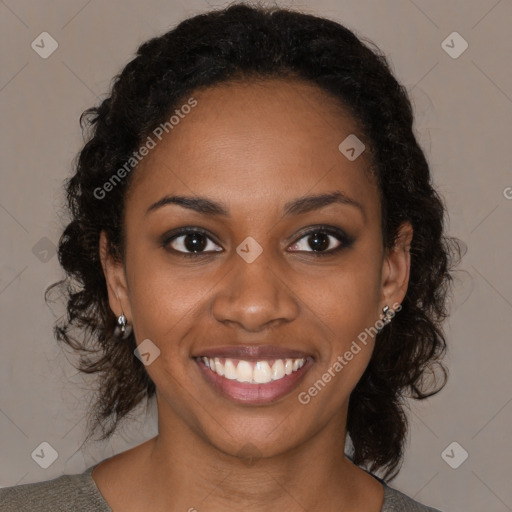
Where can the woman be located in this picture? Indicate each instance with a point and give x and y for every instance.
(257, 243)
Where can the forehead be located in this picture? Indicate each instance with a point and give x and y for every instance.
(256, 141)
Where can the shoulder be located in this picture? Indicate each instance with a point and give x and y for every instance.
(64, 493)
(396, 501)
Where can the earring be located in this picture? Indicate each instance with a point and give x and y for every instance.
(387, 315)
(122, 329)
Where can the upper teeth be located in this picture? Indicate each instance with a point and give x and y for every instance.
(259, 372)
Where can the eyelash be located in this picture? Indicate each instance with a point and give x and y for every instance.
(344, 239)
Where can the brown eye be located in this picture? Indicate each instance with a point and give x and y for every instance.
(190, 242)
(320, 241)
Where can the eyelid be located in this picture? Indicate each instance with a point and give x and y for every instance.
(345, 240)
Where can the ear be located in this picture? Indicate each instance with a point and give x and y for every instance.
(396, 268)
(118, 296)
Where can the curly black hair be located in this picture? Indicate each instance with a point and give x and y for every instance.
(252, 42)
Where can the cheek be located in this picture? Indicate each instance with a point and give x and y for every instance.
(352, 299)
(152, 275)
(160, 302)
(350, 309)
(350, 316)
(159, 296)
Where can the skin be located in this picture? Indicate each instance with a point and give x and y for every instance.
(253, 146)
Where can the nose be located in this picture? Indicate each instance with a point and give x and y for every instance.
(254, 296)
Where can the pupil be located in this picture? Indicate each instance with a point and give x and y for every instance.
(320, 240)
(195, 242)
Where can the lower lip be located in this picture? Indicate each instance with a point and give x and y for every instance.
(245, 393)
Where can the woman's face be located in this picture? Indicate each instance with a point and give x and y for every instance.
(254, 150)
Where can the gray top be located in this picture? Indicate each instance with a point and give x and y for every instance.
(80, 493)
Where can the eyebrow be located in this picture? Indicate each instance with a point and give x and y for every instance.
(298, 206)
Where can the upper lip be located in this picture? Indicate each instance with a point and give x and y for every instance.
(253, 352)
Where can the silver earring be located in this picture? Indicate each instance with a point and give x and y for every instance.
(122, 330)
(386, 317)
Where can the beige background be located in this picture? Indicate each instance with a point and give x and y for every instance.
(464, 113)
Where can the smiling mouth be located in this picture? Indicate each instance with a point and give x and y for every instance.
(253, 372)
(254, 382)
